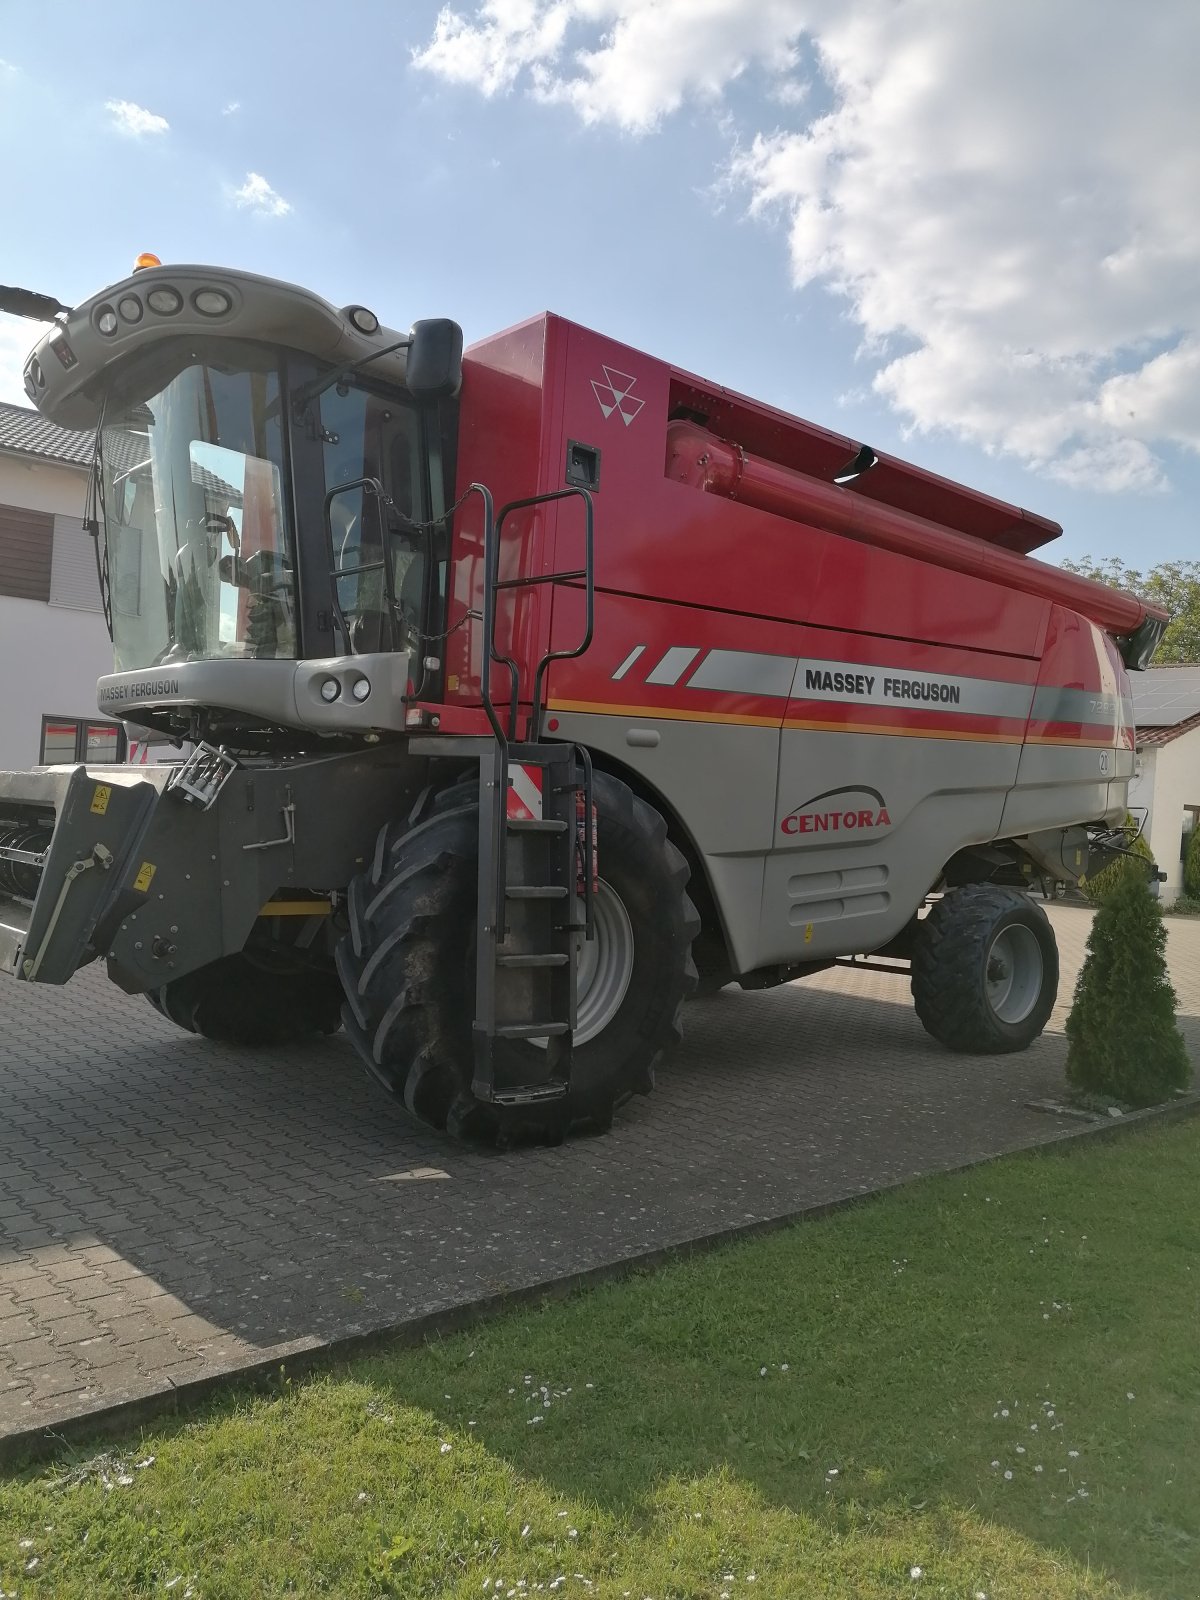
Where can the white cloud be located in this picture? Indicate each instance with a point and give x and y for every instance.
(234, 105)
(1002, 197)
(17, 338)
(135, 120)
(256, 194)
(652, 57)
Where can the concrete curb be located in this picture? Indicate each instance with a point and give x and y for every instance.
(29, 1446)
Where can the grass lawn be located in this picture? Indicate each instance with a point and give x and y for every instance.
(983, 1385)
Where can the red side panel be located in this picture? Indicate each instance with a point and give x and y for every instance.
(505, 443)
(1083, 694)
(804, 447)
(678, 568)
(662, 539)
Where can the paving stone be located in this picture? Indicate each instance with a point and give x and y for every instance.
(183, 1208)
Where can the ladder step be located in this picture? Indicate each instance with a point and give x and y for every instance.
(550, 960)
(531, 1030)
(531, 1094)
(536, 825)
(535, 891)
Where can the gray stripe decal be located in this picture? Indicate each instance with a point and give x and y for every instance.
(743, 672)
(1054, 704)
(858, 683)
(674, 664)
(628, 661)
(855, 683)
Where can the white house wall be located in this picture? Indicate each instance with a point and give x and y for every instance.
(49, 662)
(42, 486)
(50, 655)
(1170, 781)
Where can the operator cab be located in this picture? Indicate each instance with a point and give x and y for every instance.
(274, 541)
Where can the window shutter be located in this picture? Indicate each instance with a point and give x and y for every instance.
(26, 541)
(73, 582)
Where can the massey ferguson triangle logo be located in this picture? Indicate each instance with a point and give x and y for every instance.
(614, 395)
(847, 813)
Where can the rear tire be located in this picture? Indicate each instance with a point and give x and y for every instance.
(237, 1000)
(408, 969)
(985, 970)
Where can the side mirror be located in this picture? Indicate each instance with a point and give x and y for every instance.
(433, 370)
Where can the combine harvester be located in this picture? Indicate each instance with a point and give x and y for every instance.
(713, 688)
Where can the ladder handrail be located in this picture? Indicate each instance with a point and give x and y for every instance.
(377, 492)
(493, 583)
(489, 610)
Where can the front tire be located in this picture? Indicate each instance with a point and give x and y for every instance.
(985, 970)
(243, 1000)
(408, 969)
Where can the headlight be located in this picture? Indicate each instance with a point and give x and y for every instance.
(211, 302)
(164, 300)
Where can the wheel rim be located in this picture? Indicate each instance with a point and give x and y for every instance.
(1014, 973)
(605, 966)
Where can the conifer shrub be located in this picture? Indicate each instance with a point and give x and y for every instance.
(1123, 1040)
(1098, 886)
(1191, 865)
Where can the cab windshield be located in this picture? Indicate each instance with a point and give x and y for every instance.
(201, 564)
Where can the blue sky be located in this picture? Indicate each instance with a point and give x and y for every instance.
(965, 235)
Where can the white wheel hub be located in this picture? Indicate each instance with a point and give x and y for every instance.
(1014, 973)
(605, 966)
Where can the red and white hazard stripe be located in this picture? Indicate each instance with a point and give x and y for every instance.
(524, 799)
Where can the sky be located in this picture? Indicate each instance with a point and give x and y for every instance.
(965, 234)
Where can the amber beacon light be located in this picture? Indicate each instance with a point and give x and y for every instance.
(146, 259)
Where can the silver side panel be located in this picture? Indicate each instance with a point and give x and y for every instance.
(815, 844)
(1055, 781)
(283, 692)
(864, 825)
(721, 779)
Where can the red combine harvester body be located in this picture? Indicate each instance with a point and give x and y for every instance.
(713, 689)
(752, 613)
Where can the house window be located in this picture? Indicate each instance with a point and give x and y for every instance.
(66, 740)
(26, 542)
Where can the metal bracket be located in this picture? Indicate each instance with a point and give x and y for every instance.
(101, 856)
(26, 858)
(289, 831)
(202, 776)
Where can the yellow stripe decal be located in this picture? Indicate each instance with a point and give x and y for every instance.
(296, 908)
(673, 714)
(659, 713)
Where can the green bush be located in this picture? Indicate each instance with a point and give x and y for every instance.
(1101, 884)
(1191, 865)
(1122, 1034)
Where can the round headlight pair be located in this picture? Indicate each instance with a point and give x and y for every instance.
(331, 688)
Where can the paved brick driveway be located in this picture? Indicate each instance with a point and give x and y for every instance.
(171, 1209)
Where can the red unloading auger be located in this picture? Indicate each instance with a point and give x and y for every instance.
(704, 461)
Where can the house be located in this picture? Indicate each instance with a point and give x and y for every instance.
(1166, 703)
(53, 640)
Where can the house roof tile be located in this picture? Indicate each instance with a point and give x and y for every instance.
(26, 432)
